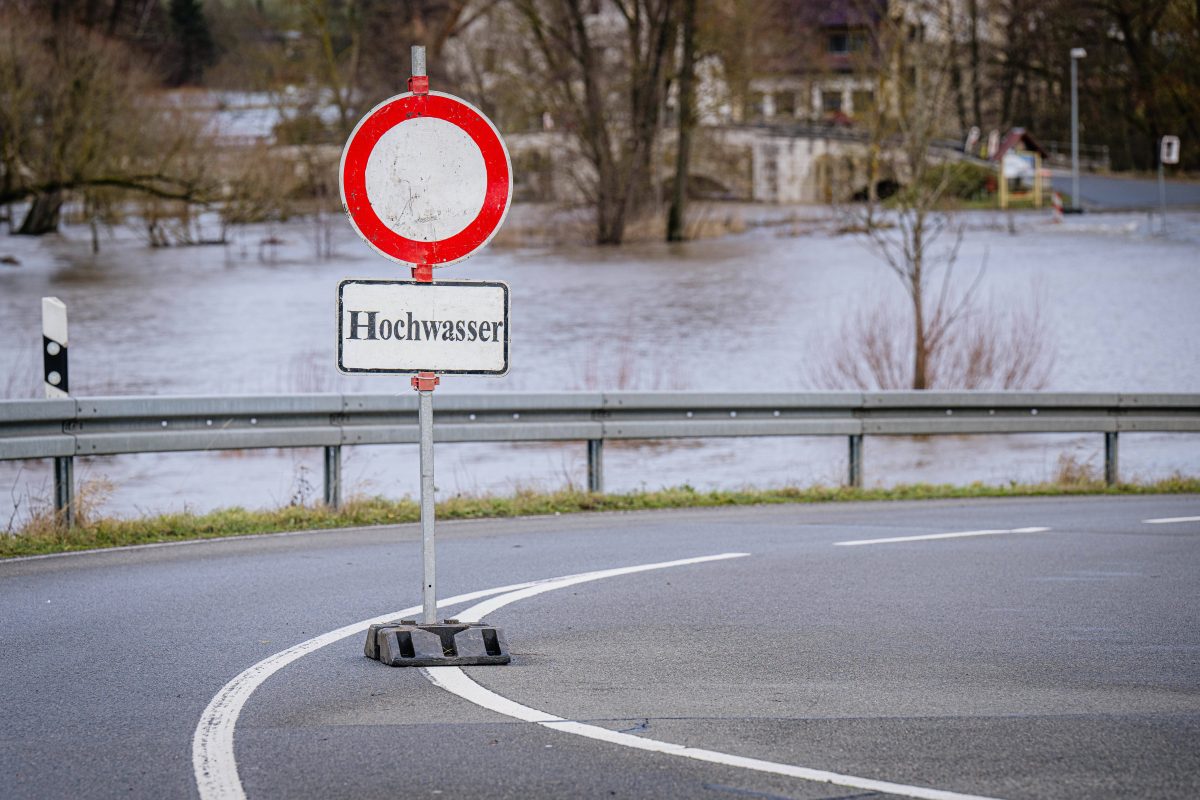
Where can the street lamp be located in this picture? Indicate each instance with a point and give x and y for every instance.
(1076, 54)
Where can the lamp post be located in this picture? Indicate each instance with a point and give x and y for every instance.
(1076, 54)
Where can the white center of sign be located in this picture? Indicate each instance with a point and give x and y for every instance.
(426, 179)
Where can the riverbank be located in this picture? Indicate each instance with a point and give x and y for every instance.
(41, 536)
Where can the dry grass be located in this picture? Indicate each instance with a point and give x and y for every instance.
(98, 532)
(987, 348)
(45, 523)
(1073, 472)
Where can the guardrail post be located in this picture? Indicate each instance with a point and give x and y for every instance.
(596, 466)
(855, 476)
(333, 476)
(64, 490)
(1110, 458)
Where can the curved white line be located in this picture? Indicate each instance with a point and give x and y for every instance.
(213, 759)
(455, 681)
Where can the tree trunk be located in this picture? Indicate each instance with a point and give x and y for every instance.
(920, 348)
(956, 71)
(610, 225)
(611, 206)
(917, 244)
(42, 216)
(677, 216)
(976, 76)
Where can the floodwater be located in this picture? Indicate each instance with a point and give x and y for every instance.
(754, 311)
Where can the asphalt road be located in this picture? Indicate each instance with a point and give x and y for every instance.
(1112, 193)
(1053, 664)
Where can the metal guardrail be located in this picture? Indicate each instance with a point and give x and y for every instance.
(64, 429)
(1091, 156)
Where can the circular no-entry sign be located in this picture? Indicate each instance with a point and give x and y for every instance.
(426, 178)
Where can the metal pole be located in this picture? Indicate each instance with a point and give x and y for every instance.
(1110, 459)
(855, 477)
(1162, 193)
(428, 580)
(64, 490)
(333, 476)
(1074, 133)
(596, 466)
(424, 383)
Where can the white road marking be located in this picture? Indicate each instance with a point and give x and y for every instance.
(455, 681)
(214, 762)
(213, 758)
(1169, 520)
(956, 535)
(478, 612)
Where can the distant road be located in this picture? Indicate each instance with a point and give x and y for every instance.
(1109, 193)
(957, 650)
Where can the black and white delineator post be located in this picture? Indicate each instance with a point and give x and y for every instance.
(54, 347)
(426, 181)
(56, 379)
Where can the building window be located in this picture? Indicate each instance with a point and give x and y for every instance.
(831, 100)
(845, 42)
(785, 104)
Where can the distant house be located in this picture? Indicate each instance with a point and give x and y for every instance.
(817, 75)
(1020, 140)
(1021, 156)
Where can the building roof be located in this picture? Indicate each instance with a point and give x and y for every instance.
(1018, 137)
(800, 29)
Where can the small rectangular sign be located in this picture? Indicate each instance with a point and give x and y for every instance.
(448, 327)
(1169, 150)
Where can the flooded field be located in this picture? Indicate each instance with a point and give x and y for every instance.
(754, 311)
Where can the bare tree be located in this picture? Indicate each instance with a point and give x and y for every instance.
(350, 54)
(992, 347)
(677, 215)
(918, 95)
(75, 116)
(602, 71)
(951, 341)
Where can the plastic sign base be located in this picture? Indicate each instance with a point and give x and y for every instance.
(450, 643)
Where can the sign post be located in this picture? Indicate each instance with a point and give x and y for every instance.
(426, 181)
(55, 377)
(1168, 153)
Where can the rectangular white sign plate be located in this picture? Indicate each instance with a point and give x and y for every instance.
(448, 327)
(1169, 150)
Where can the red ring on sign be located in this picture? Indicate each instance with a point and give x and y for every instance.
(354, 178)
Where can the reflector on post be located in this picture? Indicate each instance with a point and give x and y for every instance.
(54, 347)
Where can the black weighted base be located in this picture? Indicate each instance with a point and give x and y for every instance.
(449, 643)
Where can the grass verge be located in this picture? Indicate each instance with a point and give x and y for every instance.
(42, 536)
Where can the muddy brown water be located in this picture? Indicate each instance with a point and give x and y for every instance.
(756, 311)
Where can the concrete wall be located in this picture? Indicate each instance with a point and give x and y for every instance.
(738, 162)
